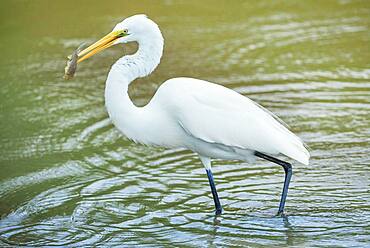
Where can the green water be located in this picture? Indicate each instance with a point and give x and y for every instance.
(69, 178)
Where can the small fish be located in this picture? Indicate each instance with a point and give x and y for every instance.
(71, 67)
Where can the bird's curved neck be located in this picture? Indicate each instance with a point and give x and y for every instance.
(142, 63)
(128, 118)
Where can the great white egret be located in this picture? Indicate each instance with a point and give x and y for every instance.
(209, 119)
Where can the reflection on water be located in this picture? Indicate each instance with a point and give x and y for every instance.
(69, 178)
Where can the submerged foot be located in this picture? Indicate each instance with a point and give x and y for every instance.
(280, 214)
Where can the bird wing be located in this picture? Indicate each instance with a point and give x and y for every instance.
(216, 114)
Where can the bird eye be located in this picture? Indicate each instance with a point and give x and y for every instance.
(123, 32)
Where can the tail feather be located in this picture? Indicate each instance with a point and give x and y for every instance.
(300, 154)
(290, 144)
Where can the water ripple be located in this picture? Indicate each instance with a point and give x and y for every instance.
(71, 179)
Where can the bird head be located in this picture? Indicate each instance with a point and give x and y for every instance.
(137, 28)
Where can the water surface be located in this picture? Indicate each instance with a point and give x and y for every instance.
(70, 179)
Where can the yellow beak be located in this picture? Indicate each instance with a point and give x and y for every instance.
(100, 45)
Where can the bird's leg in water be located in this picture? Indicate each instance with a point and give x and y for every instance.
(288, 174)
(214, 192)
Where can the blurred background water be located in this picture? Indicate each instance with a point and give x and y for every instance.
(69, 178)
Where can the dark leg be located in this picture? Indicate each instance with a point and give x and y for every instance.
(214, 192)
(288, 174)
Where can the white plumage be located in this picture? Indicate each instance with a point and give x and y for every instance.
(207, 118)
(227, 120)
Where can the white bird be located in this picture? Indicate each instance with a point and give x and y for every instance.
(206, 118)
